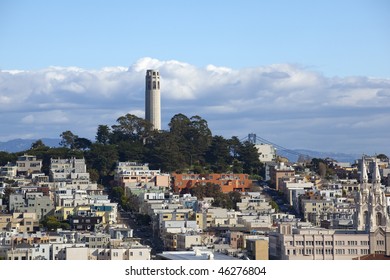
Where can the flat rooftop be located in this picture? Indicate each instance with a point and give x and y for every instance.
(191, 255)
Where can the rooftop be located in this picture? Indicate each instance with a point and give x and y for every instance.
(193, 255)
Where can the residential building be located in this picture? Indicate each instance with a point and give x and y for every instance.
(133, 175)
(195, 254)
(290, 242)
(228, 182)
(27, 164)
(84, 222)
(267, 152)
(19, 222)
(64, 169)
(314, 208)
(288, 186)
(257, 248)
(254, 202)
(8, 171)
(279, 173)
(32, 202)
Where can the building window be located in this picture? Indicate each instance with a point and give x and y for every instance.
(378, 219)
(380, 242)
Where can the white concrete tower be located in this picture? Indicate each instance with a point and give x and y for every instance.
(152, 98)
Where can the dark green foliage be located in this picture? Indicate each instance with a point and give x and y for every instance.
(274, 205)
(192, 137)
(52, 224)
(103, 134)
(7, 158)
(163, 152)
(225, 200)
(320, 167)
(131, 151)
(102, 158)
(68, 139)
(131, 128)
(38, 145)
(383, 157)
(218, 155)
(82, 143)
(143, 219)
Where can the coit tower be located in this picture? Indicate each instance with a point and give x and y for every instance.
(152, 98)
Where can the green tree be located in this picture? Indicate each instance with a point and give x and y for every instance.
(82, 143)
(131, 151)
(218, 154)
(102, 158)
(322, 168)
(234, 197)
(93, 175)
(68, 139)
(238, 166)
(249, 156)
(164, 153)
(103, 134)
(274, 205)
(199, 138)
(383, 157)
(51, 223)
(131, 127)
(234, 147)
(38, 145)
(179, 132)
(6, 157)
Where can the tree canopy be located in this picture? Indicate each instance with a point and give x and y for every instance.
(188, 146)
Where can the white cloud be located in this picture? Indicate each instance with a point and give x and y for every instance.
(277, 100)
(46, 118)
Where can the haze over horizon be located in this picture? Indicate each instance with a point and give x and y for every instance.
(311, 75)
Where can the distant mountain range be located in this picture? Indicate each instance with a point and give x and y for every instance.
(293, 155)
(19, 145)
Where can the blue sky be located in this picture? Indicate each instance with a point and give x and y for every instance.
(302, 74)
(333, 37)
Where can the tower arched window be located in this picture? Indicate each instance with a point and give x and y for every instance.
(366, 218)
(158, 85)
(378, 219)
(154, 84)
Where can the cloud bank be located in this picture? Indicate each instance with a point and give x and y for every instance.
(290, 105)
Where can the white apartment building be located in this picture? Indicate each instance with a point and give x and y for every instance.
(65, 169)
(28, 164)
(295, 243)
(135, 252)
(135, 175)
(267, 152)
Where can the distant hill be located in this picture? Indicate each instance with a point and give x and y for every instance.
(340, 157)
(19, 145)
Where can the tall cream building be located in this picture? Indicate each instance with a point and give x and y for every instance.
(372, 215)
(152, 98)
